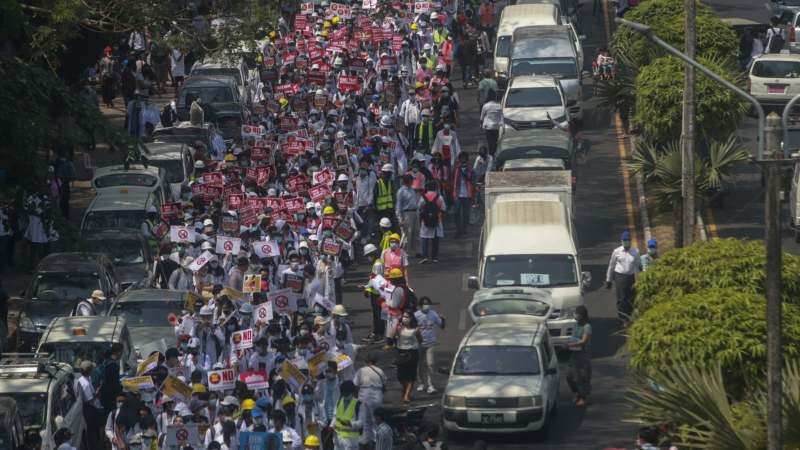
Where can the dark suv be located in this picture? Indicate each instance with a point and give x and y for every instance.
(61, 280)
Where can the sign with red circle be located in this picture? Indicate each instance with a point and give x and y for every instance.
(182, 434)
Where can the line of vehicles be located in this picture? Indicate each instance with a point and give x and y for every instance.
(505, 374)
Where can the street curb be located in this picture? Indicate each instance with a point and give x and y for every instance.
(642, 197)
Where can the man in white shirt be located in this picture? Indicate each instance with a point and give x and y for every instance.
(92, 412)
(427, 321)
(371, 382)
(491, 120)
(622, 269)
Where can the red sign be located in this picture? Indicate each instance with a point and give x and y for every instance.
(316, 78)
(300, 22)
(254, 202)
(397, 43)
(274, 203)
(294, 183)
(235, 201)
(169, 210)
(319, 192)
(213, 193)
(287, 89)
(259, 153)
(324, 176)
(248, 216)
(262, 175)
(294, 204)
(214, 178)
(330, 247)
(344, 230)
(343, 199)
(293, 148)
(288, 123)
(349, 83)
(329, 223)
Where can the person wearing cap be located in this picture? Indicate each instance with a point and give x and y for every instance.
(409, 112)
(311, 442)
(424, 133)
(338, 327)
(446, 142)
(401, 297)
(210, 337)
(650, 257)
(384, 194)
(407, 211)
(90, 306)
(149, 226)
(183, 278)
(372, 292)
(622, 269)
(395, 257)
(92, 409)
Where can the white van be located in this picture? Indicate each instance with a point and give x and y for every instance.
(530, 242)
(517, 16)
(137, 177)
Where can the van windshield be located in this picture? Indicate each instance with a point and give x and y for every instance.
(503, 47)
(173, 167)
(97, 220)
(51, 286)
(557, 67)
(125, 179)
(31, 407)
(74, 352)
(530, 270)
(497, 360)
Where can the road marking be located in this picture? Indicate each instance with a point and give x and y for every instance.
(712, 224)
(622, 155)
(462, 320)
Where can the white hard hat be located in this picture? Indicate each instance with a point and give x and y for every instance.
(246, 308)
(208, 223)
(386, 120)
(199, 165)
(339, 310)
(385, 223)
(426, 47)
(320, 92)
(309, 205)
(205, 246)
(206, 311)
(187, 261)
(343, 177)
(426, 112)
(434, 15)
(369, 248)
(387, 168)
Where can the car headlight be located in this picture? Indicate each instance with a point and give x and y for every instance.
(530, 402)
(26, 325)
(567, 313)
(455, 401)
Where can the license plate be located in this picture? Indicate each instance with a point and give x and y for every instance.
(492, 419)
(776, 89)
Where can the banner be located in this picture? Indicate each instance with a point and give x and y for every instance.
(254, 380)
(183, 435)
(292, 375)
(227, 244)
(137, 383)
(263, 312)
(242, 339)
(317, 363)
(181, 234)
(176, 389)
(147, 365)
(221, 380)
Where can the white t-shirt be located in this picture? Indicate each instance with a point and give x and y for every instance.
(427, 323)
(491, 116)
(176, 58)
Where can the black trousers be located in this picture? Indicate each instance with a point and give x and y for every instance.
(491, 140)
(378, 324)
(623, 285)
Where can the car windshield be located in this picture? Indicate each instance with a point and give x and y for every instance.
(496, 306)
(123, 252)
(530, 270)
(147, 313)
(97, 220)
(557, 67)
(174, 168)
(503, 47)
(74, 352)
(207, 94)
(532, 97)
(65, 286)
(497, 360)
(776, 69)
(125, 179)
(31, 407)
(218, 71)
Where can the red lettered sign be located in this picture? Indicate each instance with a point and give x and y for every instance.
(294, 204)
(214, 178)
(319, 192)
(235, 201)
(349, 83)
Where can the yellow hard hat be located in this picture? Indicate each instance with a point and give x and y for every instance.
(288, 400)
(328, 210)
(311, 441)
(259, 58)
(394, 237)
(324, 33)
(272, 34)
(335, 19)
(413, 26)
(248, 404)
(230, 157)
(395, 273)
(283, 102)
(326, 24)
(198, 388)
(419, 84)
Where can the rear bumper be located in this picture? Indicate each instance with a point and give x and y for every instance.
(561, 330)
(773, 99)
(514, 420)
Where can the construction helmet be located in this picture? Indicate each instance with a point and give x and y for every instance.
(335, 19)
(326, 24)
(369, 248)
(413, 26)
(311, 441)
(328, 210)
(395, 273)
(394, 237)
(248, 404)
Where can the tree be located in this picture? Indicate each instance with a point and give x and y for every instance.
(659, 96)
(724, 326)
(665, 17)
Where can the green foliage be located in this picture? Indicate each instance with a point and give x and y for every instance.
(714, 37)
(620, 91)
(724, 326)
(659, 100)
(723, 263)
(699, 412)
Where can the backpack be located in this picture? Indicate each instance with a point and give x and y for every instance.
(78, 302)
(776, 41)
(430, 212)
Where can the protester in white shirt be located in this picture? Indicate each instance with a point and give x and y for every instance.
(371, 383)
(427, 321)
(491, 120)
(622, 269)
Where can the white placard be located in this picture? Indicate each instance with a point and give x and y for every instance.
(227, 244)
(266, 249)
(263, 312)
(202, 260)
(182, 435)
(181, 234)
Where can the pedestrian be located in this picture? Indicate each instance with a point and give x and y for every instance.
(650, 257)
(424, 132)
(372, 292)
(383, 432)
(463, 193)
(371, 383)
(428, 320)
(349, 418)
(408, 216)
(486, 86)
(108, 77)
(178, 69)
(446, 142)
(90, 306)
(622, 269)
(149, 228)
(384, 195)
(409, 339)
(86, 394)
(491, 120)
(107, 377)
(183, 278)
(127, 81)
(432, 207)
(395, 257)
(580, 362)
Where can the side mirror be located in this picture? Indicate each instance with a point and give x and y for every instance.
(551, 371)
(472, 282)
(443, 370)
(586, 280)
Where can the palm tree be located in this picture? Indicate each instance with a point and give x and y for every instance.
(694, 407)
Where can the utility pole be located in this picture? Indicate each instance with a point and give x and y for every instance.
(772, 165)
(687, 127)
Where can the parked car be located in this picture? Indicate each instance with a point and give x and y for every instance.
(221, 102)
(225, 66)
(59, 282)
(121, 178)
(530, 100)
(125, 209)
(177, 161)
(774, 78)
(183, 133)
(128, 251)
(145, 312)
(550, 147)
(504, 377)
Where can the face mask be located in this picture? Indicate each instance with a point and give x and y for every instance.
(393, 245)
(406, 321)
(119, 404)
(294, 266)
(426, 308)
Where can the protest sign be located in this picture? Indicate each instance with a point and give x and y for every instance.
(348, 83)
(263, 312)
(176, 389)
(330, 247)
(261, 440)
(147, 365)
(253, 130)
(227, 244)
(135, 384)
(214, 178)
(254, 380)
(190, 303)
(342, 361)
(230, 224)
(422, 7)
(292, 375)
(283, 301)
(316, 362)
(182, 435)
(344, 230)
(202, 260)
(232, 293)
(266, 249)
(242, 339)
(306, 8)
(221, 380)
(251, 284)
(170, 210)
(161, 230)
(319, 192)
(234, 201)
(323, 301)
(183, 235)
(324, 176)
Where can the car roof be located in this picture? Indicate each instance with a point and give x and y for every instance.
(203, 81)
(529, 81)
(519, 214)
(20, 374)
(158, 148)
(71, 262)
(516, 16)
(506, 330)
(543, 42)
(151, 295)
(115, 200)
(534, 163)
(98, 329)
(778, 57)
(532, 138)
(133, 168)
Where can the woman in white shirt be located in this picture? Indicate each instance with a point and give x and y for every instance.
(491, 120)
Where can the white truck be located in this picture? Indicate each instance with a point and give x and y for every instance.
(529, 240)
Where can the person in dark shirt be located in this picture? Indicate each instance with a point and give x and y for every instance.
(164, 268)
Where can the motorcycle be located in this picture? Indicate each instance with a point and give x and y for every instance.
(407, 423)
